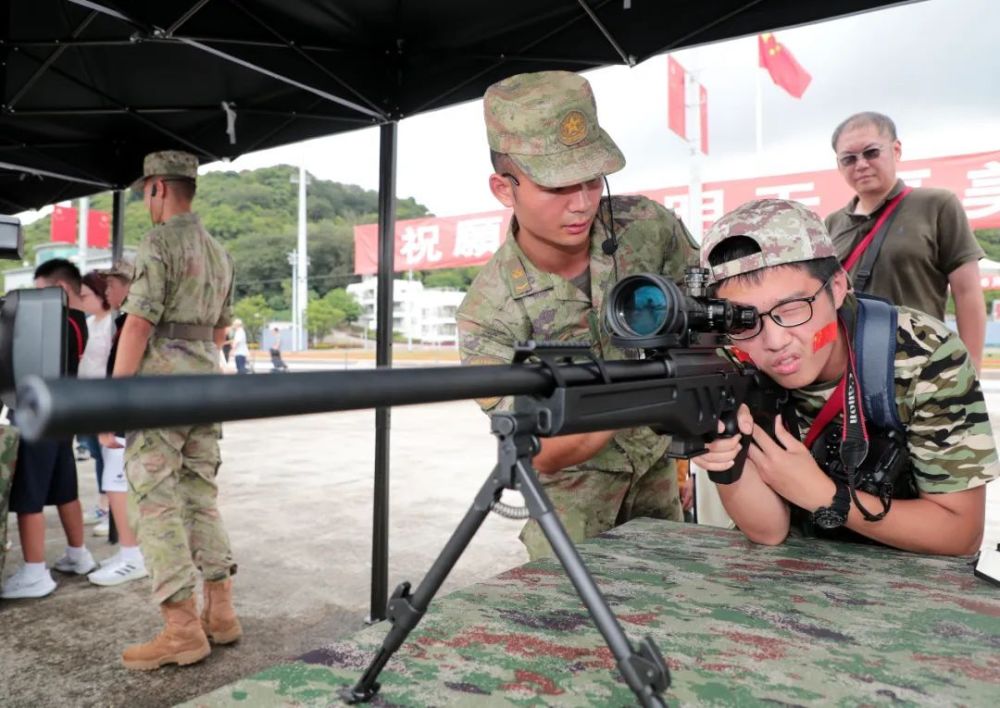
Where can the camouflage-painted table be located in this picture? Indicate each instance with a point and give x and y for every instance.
(739, 624)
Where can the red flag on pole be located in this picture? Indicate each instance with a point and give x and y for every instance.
(703, 118)
(779, 62)
(98, 229)
(63, 227)
(675, 98)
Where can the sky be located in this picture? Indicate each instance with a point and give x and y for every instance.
(932, 66)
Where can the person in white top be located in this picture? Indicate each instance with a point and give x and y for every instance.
(100, 327)
(240, 349)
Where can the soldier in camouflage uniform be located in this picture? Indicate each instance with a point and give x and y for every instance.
(178, 307)
(566, 246)
(777, 256)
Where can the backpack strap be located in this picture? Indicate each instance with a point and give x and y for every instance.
(875, 348)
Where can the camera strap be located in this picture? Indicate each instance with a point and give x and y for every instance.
(847, 399)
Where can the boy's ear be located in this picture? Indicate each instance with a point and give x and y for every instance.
(841, 286)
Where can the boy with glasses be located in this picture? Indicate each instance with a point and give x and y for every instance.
(777, 256)
(928, 245)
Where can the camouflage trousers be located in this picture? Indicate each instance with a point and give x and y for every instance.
(8, 457)
(172, 498)
(590, 501)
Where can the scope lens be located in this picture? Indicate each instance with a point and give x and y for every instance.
(644, 309)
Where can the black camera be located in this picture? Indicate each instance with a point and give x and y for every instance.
(32, 324)
(650, 312)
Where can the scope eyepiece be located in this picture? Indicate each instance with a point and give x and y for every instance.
(650, 311)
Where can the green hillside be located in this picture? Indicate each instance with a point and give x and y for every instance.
(254, 213)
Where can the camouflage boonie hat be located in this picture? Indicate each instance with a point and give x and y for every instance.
(786, 232)
(123, 269)
(168, 163)
(547, 123)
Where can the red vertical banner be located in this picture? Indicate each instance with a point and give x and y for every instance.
(675, 98)
(98, 229)
(63, 225)
(703, 118)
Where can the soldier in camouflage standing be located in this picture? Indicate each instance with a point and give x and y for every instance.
(566, 246)
(178, 307)
(777, 256)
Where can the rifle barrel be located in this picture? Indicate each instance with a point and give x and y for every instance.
(65, 407)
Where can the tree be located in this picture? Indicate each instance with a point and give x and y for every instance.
(321, 318)
(342, 300)
(255, 314)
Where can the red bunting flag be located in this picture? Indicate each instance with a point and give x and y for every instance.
(779, 62)
(675, 98)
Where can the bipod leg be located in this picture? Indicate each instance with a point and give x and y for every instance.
(405, 610)
(644, 670)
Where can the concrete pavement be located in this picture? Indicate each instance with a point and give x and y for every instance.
(296, 494)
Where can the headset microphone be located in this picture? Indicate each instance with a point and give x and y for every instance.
(610, 244)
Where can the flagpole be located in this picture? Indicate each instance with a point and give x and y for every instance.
(759, 117)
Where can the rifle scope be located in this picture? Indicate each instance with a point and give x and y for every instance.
(649, 311)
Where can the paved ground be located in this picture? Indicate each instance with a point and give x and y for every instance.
(296, 496)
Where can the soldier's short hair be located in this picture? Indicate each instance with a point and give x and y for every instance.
(185, 188)
(60, 270)
(879, 120)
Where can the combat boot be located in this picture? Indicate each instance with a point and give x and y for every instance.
(182, 640)
(218, 618)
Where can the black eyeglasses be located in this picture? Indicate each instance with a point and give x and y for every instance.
(851, 158)
(790, 313)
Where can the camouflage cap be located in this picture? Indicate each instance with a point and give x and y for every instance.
(122, 268)
(547, 123)
(786, 232)
(168, 163)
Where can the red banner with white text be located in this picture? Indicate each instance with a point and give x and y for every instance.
(453, 241)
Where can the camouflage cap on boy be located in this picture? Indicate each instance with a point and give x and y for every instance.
(168, 163)
(786, 232)
(122, 268)
(547, 123)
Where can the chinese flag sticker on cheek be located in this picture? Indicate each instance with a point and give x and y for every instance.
(827, 335)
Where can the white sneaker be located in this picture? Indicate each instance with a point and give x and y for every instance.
(110, 560)
(95, 516)
(18, 585)
(117, 573)
(80, 567)
(103, 528)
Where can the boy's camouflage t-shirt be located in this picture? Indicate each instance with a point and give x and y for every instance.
(940, 403)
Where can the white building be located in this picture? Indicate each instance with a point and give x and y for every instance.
(423, 314)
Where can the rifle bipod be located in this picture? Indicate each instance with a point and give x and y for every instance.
(643, 669)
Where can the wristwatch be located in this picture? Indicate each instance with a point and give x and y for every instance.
(835, 515)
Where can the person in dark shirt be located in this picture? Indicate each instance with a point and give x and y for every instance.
(45, 473)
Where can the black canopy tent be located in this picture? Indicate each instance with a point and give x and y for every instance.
(87, 87)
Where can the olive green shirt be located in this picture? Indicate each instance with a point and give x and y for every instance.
(929, 238)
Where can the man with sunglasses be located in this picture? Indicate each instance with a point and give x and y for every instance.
(565, 247)
(928, 245)
(179, 305)
(777, 256)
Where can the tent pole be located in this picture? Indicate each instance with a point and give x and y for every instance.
(117, 225)
(383, 358)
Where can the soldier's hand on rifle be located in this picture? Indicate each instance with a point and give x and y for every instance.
(723, 450)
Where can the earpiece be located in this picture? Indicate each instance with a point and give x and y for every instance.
(152, 192)
(610, 244)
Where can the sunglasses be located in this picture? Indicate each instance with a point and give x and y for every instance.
(850, 159)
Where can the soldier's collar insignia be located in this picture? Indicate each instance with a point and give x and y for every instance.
(572, 128)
